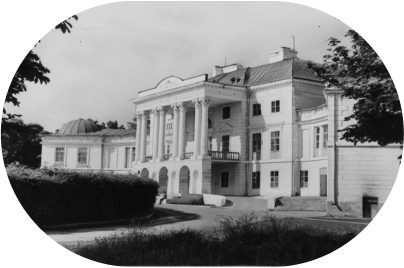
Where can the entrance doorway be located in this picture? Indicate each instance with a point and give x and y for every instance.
(323, 181)
(184, 180)
(163, 180)
(144, 174)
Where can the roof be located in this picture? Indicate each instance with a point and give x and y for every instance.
(268, 73)
(113, 132)
(79, 126)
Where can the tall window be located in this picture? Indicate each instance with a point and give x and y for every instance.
(225, 143)
(82, 157)
(60, 155)
(316, 141)
(224, 182)
(127, 157)
(304, 178)
(226, 112)
(133, 153)
(275, 106)
(168, 149)
(325, 139)
(256, 109)
(256, 179)
(210, 143)
(274, 179)
(275, 144)
(256, 146)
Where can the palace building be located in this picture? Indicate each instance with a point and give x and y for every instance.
(270, 131)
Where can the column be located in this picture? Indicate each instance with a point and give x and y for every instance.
(175, 131)
(143, 138)
(155, 133)
(181, 134)
(138, 135)
(162, 129)
(204, 127)
(197, 129)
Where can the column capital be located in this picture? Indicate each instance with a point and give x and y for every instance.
(175, 107)
(138, 115)
(161, 110)
(204, 101)
(155, 111)
(182, 106)
(197, 102)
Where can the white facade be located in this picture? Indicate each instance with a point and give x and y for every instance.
(271, 130)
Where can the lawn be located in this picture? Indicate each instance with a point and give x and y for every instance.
(247, 240)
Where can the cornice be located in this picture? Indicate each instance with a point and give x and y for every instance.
(273, 85)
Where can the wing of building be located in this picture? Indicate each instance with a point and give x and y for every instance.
(270, 131)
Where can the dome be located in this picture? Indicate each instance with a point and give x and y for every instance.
(79, 126)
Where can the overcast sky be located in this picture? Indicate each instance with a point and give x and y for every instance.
(118, 49)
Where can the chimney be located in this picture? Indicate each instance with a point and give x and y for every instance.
(217, 70)
(284, 53)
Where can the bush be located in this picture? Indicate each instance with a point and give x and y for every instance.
(58, 196)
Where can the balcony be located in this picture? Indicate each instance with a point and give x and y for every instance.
(188, 155)
(226, 156)
(148, 158)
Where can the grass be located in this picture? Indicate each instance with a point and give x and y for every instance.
(247, 240)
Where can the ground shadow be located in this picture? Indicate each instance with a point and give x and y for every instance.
(228, 203)
(168, 215)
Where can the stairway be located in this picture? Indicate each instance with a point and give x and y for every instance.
(301, 203)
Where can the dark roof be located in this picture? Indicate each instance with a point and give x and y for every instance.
(277, 71)
(78, 127)
(113, 132)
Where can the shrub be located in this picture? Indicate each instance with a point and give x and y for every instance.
(58, 196)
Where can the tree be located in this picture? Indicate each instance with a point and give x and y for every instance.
(100, 126)
(110, 124)
(362, 76)
(21, 143)
(32, 70)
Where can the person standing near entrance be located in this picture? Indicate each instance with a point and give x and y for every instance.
(164, 197)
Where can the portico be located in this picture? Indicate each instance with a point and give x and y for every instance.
(187, 104)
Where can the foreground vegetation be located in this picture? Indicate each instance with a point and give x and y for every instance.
(248, 240)
(57, 196)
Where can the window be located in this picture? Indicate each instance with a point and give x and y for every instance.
(168, 149)
(169, 126)
(304, 178)
(275, 106)
(226, 112)
(127, 157)
(224, 182)
(325, 136)
(133, 153)
(316, 141)
(275, 144)
(210, 143)
(256, 146)
(210, 124)
(82, 157)
(274, 179)
(225, 143)
(256, 177)
(256, 109)
(60, 155)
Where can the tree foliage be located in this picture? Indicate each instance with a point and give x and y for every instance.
(31, 69)
(362, 76)
(21, 143)
(109, 124)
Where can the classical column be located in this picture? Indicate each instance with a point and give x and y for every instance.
(197, 129)
(162, 129)
(181, 135)
(143, 139)
(175, 131)
(155, 133)
(204, 126)
(138, 135)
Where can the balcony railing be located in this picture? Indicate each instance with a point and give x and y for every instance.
(188, 155)
(148, 158)
(219, 155)
(166, 157)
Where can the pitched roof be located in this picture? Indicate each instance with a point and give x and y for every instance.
(113, 132)
(268, 73)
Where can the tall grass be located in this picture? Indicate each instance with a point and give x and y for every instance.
(248, 240)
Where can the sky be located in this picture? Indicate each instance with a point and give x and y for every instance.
(116, 50)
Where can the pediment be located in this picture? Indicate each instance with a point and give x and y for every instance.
(225, 127)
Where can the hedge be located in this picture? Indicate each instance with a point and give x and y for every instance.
(57, 196)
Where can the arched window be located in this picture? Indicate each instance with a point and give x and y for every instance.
(210, 125)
